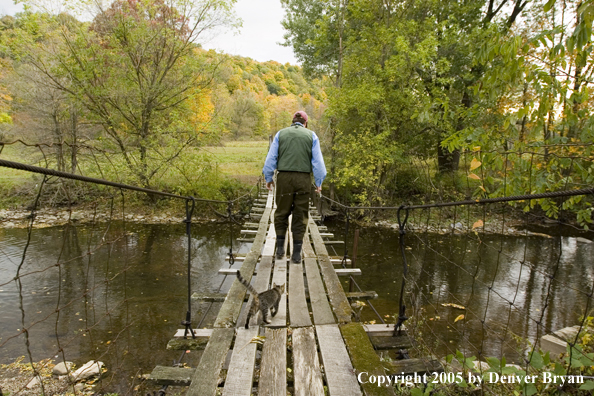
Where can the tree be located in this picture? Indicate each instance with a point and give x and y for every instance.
(535, 96)
(318, 32)
(404, 71)
(45, 114)
(134, 69)
(247, 114)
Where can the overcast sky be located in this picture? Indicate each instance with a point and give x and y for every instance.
(260, 34)
(257, 39)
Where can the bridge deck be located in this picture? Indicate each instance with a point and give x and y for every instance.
(311, 342)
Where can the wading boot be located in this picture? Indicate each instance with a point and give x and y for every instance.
(280, 248)
(296, 256)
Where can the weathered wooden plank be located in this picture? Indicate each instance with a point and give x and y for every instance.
(340, 304)
(248, 231)
(382, 330)
(365, 295)
(333, 242)
(251, 225)
(339, 261)
(220, 297)
(206, 377)
(306, 367)
(308, 251)
(340, 376)
(339, 272)
(273, 371)
(347, 271)
(231, 308)
(232, 271)
(398, 342)
(279, 277)
(241, 369)
(209, 297)
(264, 271)
(326, 235)
(187, 344)
(246, 240)
(298, 311)
(260, 284)
(270, 239)
(411, 366)
(320, 306)
(322, 312)
(171, 376)
(270, 199)
(197, 332)
(364, 358)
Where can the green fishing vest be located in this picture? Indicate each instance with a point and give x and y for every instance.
(294, 149)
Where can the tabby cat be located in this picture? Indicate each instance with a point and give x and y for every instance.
(269, 299)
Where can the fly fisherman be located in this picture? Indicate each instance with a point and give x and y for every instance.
(295, 153)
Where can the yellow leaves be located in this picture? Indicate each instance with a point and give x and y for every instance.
(453, 306)
(475, 164)
(258, 340)
(202, 107)
(473, 176)
(477, 224)
(458, 318)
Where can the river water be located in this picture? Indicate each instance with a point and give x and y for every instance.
(118, 292)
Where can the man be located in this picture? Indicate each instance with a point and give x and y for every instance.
(295, 153)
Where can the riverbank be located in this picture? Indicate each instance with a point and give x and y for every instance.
(18, 378)
(51, 217)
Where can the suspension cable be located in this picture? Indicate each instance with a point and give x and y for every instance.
(188, 322)
(402, 313)
(72, 176)
(552, 194)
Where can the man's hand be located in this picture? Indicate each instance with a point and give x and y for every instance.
(319, 189)
(270, 185)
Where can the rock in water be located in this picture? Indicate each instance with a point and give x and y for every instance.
(90, 369)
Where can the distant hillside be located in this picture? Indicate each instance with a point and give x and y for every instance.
(253, 99)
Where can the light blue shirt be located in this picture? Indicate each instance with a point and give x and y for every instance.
(317, 160)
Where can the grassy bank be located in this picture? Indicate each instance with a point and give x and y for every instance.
(217, 172)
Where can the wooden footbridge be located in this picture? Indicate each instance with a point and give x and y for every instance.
(312, 347)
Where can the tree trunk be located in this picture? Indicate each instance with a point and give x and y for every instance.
(74, 141)
(447, 161)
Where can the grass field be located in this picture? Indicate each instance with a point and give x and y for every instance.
(240, 159)
(200, 171)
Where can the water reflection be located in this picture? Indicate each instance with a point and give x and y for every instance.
(118, 294)
(512, 287)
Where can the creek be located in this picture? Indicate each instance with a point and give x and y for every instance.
(119, 292)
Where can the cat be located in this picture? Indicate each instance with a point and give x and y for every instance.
(269, 299)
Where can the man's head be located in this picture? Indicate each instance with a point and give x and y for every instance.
(301, 117)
